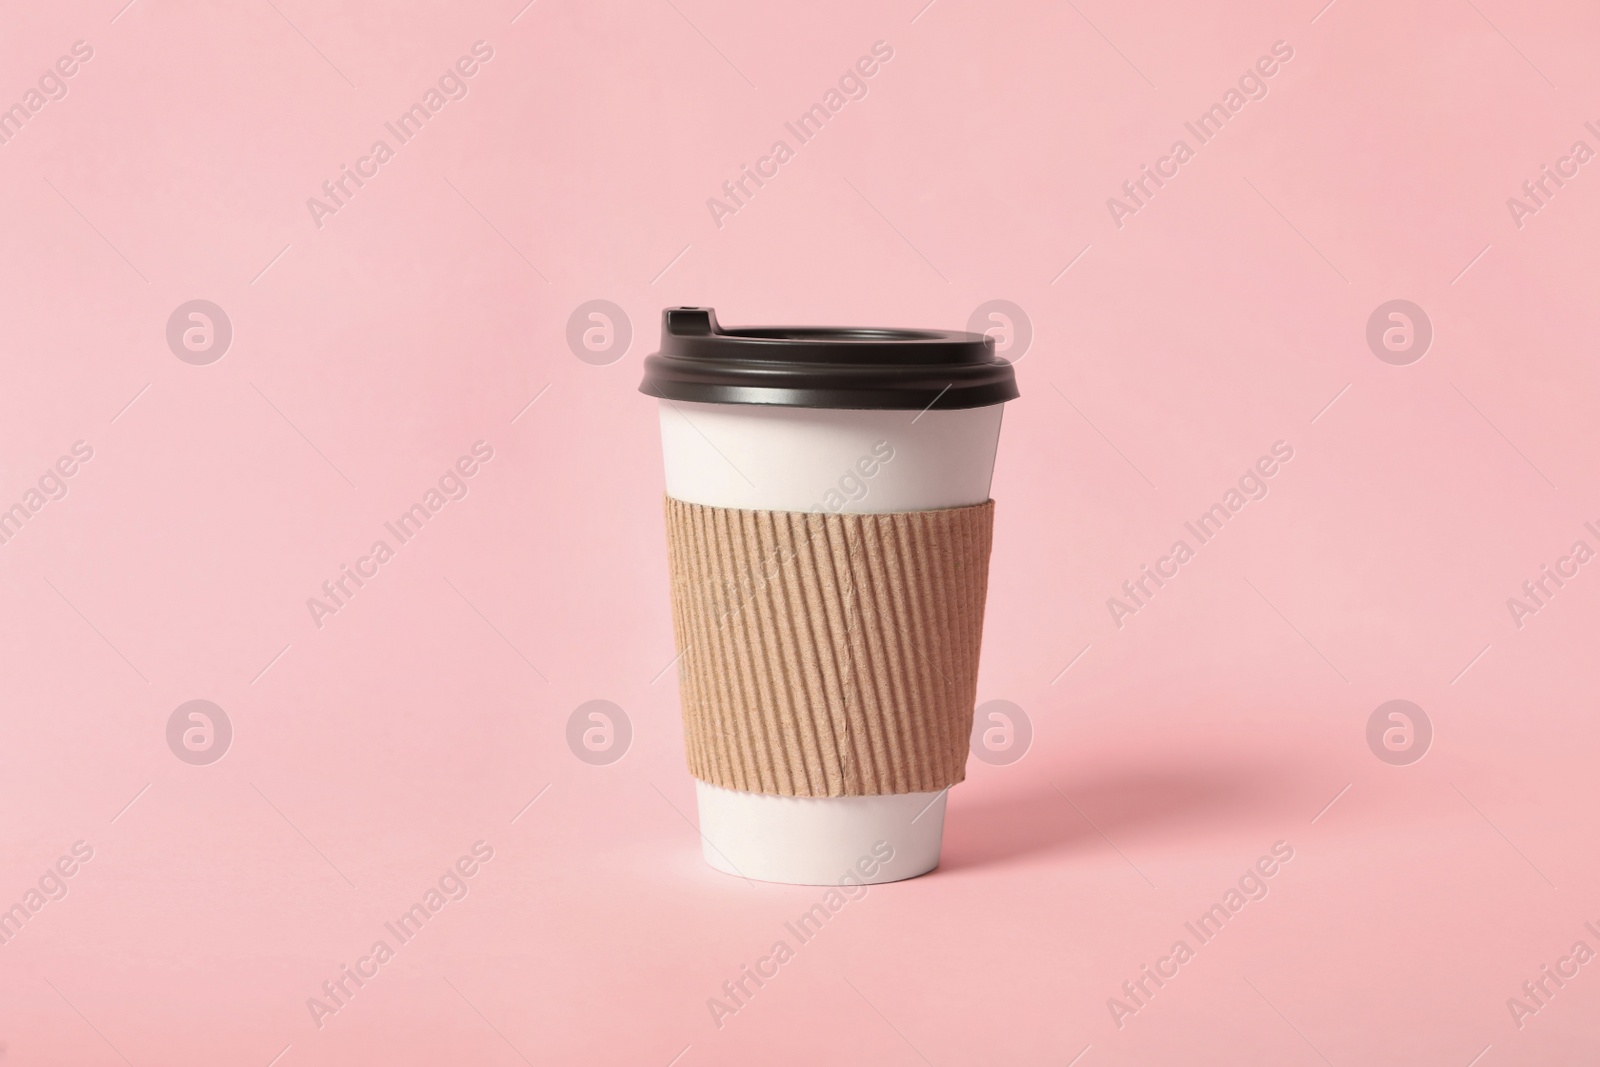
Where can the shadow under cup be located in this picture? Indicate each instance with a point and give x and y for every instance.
(828, 523)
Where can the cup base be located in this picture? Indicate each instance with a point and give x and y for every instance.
(820, 840)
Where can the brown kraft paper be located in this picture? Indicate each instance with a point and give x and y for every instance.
(828, 655)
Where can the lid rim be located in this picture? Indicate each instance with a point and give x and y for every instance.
(864, 368)
(835, 399)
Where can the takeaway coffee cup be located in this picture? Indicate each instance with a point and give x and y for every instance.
(828, 527)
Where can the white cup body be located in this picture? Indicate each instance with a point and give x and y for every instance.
(770, 458)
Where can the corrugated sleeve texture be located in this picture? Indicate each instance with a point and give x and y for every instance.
(828, 655)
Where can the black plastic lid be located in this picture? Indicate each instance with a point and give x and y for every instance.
(823, 367)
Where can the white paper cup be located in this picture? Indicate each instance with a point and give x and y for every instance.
(764, 456)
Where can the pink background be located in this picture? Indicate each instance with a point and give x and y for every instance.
(372, 351)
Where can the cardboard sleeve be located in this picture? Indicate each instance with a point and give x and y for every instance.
(828, 655)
